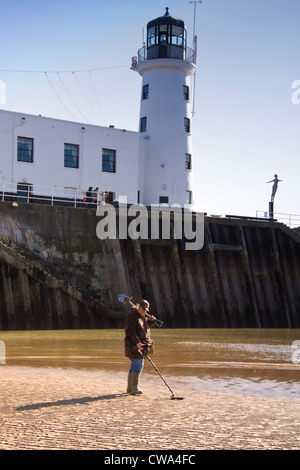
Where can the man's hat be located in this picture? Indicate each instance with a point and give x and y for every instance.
(145, 304)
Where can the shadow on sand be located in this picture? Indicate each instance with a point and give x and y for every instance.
(71, 401)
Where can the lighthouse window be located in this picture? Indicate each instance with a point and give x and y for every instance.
(163, 34)
(109, 160)
(71, 156)
(188, 197)
(143, 124)
(186, 92)
(186, 125)
(177, 35)
(151, 37)
(188, 161)
(25, 150)
(145, 92)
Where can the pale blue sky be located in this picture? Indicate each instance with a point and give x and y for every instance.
(246, 127)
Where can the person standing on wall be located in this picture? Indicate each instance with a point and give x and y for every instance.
(137, 341)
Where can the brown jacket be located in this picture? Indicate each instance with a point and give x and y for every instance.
(137, 329)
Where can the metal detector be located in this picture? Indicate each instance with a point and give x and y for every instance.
(173, 396)
(125, 298)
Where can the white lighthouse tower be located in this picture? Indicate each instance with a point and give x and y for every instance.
(165, 153)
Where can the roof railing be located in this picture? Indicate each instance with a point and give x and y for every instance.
(172, 51)
(291, 220)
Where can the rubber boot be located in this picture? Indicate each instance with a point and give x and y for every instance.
(129, 383)
(135, 381)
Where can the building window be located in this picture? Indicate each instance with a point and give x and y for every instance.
(188, 197)
(71, 155)
(23, 192)
(108, 160)
(186, 125)
(186, 92)
(163, 199)
(25, 150)
(188, 161)
(143, 124)
(145, 92)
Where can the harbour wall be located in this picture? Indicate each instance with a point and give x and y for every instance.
(56, 273)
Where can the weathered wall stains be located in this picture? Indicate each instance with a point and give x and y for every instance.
(246, 276)
(56, 273)
(32, 299)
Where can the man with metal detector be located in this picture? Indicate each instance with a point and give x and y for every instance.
(137, 342)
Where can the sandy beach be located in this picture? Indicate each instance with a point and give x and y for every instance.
(68, 409)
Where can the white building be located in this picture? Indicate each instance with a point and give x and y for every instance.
(44, 157)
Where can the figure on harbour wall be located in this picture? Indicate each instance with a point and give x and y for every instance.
(274, 187)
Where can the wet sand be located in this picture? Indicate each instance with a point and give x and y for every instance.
(57, 409)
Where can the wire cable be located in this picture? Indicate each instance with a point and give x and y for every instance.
(65, 88)
(59, 96)
(96, 96)
(64, 71)
(85, 96)
(74, 72)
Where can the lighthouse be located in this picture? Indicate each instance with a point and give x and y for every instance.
(166, 66)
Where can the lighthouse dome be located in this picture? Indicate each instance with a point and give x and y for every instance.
(166, 19)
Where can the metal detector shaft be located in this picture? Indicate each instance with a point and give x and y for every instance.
(145, 355)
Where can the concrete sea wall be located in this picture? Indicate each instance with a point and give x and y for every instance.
(56, 273)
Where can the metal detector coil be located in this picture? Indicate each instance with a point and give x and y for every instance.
(173, 396)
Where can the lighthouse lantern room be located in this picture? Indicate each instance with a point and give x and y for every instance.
(165, 148)
(166, 38)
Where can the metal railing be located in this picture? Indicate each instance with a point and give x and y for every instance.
(170, 51)
(291, 220)
(29, 193)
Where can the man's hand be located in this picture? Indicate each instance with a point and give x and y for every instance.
(139, 346)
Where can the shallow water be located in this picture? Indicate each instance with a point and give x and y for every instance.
(253, 361)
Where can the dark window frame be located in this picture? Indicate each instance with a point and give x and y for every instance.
(24, 191)
(143, 124)
(177, 35)
(71, 160)
(151, 36)
(25, 152)
(186, 92)
(187, 125)
(109, 160)
(145, 95)
(166, 34)
(188, 161)
(188, 197)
